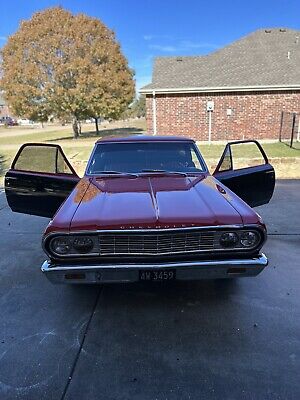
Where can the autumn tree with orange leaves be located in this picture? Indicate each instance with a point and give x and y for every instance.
(65, 65)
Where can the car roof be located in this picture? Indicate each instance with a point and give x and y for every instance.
(143, 138)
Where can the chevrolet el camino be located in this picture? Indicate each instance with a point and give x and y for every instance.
(146, 209)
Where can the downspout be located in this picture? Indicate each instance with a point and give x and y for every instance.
(209, 126)
(154, 112)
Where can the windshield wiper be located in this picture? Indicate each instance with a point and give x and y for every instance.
(117, 173)
(162, 171)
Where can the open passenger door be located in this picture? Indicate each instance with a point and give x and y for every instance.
(252, 179)
(39, 180)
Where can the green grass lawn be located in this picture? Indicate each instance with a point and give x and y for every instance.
(34, 137)
(78, 150)
(271, 149)
(8, 136)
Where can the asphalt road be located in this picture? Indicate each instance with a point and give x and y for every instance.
(205, 340)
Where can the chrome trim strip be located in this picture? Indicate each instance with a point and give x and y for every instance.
(155, 229)
(261, 260)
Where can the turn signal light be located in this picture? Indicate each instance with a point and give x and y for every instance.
(75, 276)
(232, 271)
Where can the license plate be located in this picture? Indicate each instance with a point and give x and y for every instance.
(157, 275)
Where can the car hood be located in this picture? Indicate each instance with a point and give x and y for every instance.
(147, 202)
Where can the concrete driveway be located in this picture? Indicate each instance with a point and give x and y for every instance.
(205, 340)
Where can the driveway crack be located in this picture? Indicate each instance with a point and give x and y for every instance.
(81, 345)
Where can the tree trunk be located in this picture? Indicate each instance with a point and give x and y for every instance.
(75, 125)
(97, 127)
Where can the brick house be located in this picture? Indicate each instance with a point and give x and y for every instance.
(246, 85)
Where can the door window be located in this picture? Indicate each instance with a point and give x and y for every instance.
(245, 155)
(226, 163)
(42, 158)
(242, 154)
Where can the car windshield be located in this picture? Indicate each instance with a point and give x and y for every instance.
(146, 157)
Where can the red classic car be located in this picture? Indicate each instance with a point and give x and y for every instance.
(146, 209)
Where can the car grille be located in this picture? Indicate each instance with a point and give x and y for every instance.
(156, 243)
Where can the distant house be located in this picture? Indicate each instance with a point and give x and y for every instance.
(236, 92)
(4, 109)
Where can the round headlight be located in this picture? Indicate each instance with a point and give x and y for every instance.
(249, 239)
(61, 245)
(228, 239)
(83, 244)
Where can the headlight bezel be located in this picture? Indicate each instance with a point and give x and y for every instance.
(239, 245)
(75, 251)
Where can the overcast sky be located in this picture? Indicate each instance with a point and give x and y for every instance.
(150, 28)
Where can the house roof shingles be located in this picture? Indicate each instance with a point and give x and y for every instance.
(265, 58)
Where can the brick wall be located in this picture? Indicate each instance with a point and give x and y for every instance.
(253, 114)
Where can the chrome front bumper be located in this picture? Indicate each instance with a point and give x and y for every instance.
(191, 270)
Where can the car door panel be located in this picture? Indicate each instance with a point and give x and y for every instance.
(38, 193)
(255, 184)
